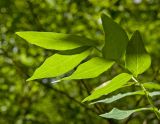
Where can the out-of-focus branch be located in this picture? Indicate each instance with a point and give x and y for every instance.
(34, 15)
(68, 96)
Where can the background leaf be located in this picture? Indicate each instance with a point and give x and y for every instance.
(137, 59)
(111, 86)
(57, 65)
(121, 114)
(90, 69)
(57, 41)
(116, 39)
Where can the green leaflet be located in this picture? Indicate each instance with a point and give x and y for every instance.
(90, 69)
(122, 114)
(58, 64)
(57, 41)
(111, 86)
(152, 85)
(137, 59)
(119, 96)
(116, 39)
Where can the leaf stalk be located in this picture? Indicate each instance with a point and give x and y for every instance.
(155, 109)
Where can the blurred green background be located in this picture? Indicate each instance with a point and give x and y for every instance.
(40, 102)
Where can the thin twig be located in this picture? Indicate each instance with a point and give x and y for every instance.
(137, 103)
(88, 89)
(68, 96)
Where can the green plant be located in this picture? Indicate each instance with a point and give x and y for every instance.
(72, 54)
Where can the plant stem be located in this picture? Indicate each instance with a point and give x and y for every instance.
(148, 98)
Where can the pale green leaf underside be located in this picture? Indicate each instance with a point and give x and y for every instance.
(58, 64)
(155, 93)
(57, 41)
(116, 39)
(90, 69)
(120, 96)
(137, 59)
(122, 114)
(116, 83)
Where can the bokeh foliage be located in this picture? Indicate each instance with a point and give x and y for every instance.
(40, 101)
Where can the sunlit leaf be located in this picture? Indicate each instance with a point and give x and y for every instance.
(58, 64)
(57, 41)
(111, 86)
(116, 39)
(90, 69)
(137, 59)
